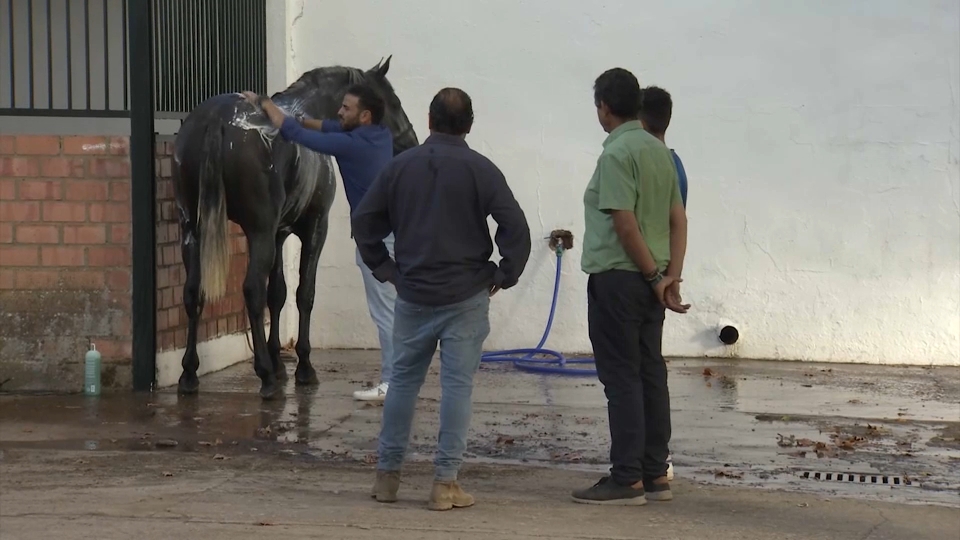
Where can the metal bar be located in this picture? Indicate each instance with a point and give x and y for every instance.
(177, 44)
(162, 53)
(262, 40)
(231, 38)
(49, 56)
(13, 66)
(191, 52)
(123, 47)
(203, 40)
(158, 52)
(213, 41)
(106, 57)
(69, 25)
(143, 196)
(30, 51)
(65, 113)
(86, 46)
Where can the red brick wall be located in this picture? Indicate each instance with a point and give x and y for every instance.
(226, 316)
(65, 262)
(64, 259)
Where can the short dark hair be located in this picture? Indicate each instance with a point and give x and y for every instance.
(451, 112)
(369, 100)
(656, 108)
(620, 91)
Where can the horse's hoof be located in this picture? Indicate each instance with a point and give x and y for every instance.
(282, 372)
(308, 378)
(271, 391)
(188, 386)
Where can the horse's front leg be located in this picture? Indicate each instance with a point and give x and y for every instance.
(261, 259)
(313, 239)
(276, 297)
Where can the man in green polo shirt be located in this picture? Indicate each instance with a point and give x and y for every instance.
(633, 248)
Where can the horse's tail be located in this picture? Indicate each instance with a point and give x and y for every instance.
(212, 217)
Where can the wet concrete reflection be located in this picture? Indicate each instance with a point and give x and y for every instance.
(734, 422)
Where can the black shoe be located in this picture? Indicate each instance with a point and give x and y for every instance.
(657, 492)
(606, 491)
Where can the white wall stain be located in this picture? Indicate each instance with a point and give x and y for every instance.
(840, 149)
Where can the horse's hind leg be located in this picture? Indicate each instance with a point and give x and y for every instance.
(276, 297)
(259, 265)
(193, 303)
(313, 237)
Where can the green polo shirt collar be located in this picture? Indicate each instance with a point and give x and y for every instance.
(621, 129)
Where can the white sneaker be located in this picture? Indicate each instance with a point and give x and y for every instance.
(377, 393)
(669, 467)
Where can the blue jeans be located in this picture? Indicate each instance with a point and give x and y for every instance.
(460, 329)
(381, 298)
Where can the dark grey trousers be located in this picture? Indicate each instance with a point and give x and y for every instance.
(626, 329)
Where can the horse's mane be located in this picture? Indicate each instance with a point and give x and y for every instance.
(314, 76)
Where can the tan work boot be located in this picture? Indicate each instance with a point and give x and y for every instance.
(447, 495)
(386, 487)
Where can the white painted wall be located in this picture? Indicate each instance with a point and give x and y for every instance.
(820, 138)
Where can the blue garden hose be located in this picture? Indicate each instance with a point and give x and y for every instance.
(556, 363)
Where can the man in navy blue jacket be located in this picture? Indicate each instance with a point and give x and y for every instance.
(362, 146)
(437, 197)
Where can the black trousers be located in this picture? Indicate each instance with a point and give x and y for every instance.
(626, 329)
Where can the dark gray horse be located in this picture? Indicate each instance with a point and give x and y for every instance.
(231, 163)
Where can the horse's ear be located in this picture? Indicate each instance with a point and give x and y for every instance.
(381, 69)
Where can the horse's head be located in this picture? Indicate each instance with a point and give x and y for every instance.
(394, 117)
(319, 93)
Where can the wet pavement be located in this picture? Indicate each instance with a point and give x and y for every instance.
(890, 434)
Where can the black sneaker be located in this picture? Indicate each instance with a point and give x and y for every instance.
(606, 491)
(657, 492)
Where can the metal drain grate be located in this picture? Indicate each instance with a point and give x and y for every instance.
(859, 478)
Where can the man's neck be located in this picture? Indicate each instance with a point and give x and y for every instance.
(615, 123)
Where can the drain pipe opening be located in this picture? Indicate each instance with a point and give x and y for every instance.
(728, 333)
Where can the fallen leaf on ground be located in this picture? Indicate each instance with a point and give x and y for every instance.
(370, 459)
(707, 372)
(806, 442)
(502, 440)
(219, 457)
(798, 453)
(167, 473)
(735, 475)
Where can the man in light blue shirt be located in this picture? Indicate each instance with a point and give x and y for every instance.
(363, 146)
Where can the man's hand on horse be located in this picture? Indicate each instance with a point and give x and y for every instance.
(252, 97)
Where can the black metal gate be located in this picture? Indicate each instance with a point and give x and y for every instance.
(70, 57)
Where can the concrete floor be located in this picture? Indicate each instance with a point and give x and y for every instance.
(749, 438)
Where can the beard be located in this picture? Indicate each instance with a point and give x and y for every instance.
(348, 124)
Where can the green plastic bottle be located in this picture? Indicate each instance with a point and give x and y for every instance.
(91, 372)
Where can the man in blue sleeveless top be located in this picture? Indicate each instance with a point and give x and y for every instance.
(656, 109)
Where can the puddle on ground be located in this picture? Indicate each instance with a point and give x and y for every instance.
(755, 424)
